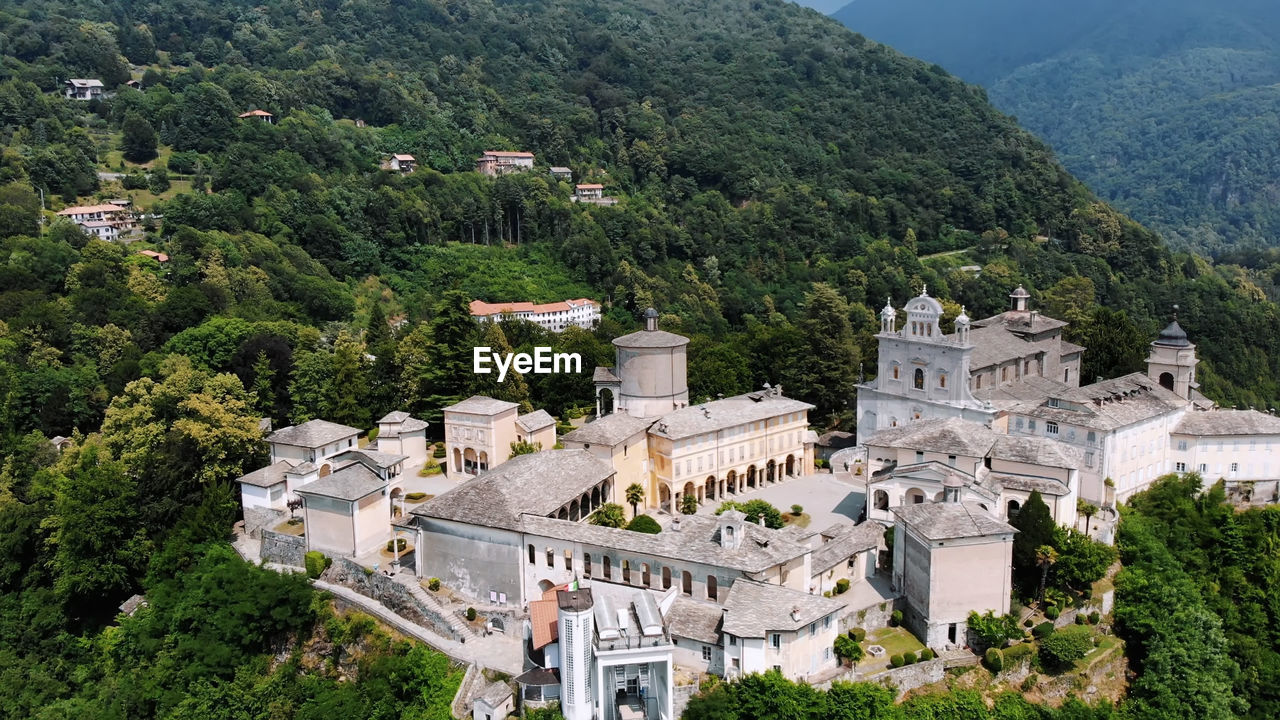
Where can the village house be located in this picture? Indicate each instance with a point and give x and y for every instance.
(83, 89)
(580, 312)
(107, 221)
(592, 193)
(561, 173)
(401, 163)
(501, 162)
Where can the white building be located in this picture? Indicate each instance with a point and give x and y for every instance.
(580, 312)
(82, 89)
(501, 162)
(401, 163)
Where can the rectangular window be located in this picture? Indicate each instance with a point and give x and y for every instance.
(1182, 445)
(776, 641)
(1051, 428)
(733, 640)
(1053, 403)
(1088, 459)
(1204, 467)
(551, 558)
(568, 560)
(1180, 467)
(1092, 437)
(706, 653)
(1235, 467)
(919, 456)
(826, 623)
(1031, 425)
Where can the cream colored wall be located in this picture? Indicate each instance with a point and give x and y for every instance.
(1255, 456)
(969, 576)
(1136, 455)
(546, 437)
(863, 567)
(491, 434)
(329, 530)
(799, 655)
(372, 522)
(697, 458)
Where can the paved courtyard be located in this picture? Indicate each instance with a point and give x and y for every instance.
(827, 498)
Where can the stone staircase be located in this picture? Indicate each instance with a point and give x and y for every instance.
(461, 627)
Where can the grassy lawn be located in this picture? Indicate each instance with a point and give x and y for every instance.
(1106, 644)
(145, 199)
(801, 520)
(895, 641)
(287, 528)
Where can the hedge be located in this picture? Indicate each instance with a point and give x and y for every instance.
(1059, 650)
(908, 658)
(842, 586)
(926, 655)
(895, 661)
(896, 618)
(1043, 630)
(315, 563)
(1017, 652)
(1052, 612)
(993, 660)
(858, 634)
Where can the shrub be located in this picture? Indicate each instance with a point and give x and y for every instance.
(926, 655)
(1094, 617)
(797, 509)
(1030, 682)
(134, 181)
(433, 584)
(842, 586)
(400, 544)
(439, 452)
(895, 661)
(471, 614)
(896, 618)
(1027, 623)
(993, 660)
(858, 634)
(847, 649)
(908, 658)
(1080, 619)
(826, 594)
(415, 496)
(1016, 652)
(644, 524)
(820, 463)
(1059, 650)
(1043, 630)
(315, 562)
(1052, 612)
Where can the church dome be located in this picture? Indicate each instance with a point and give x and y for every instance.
(1173, 336)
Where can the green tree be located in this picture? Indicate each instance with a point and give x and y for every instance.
(513, 387)
(644, 524)
(138, 142)
(609, 515)
(1062, 648)
(348, 404)
(1088, 510)
(1036, 528)
(994, 630)
(688, 504)
(635, 495)
(1046, 556)
(519, 447)
(263, 388)
(829, 363)
(1081, 560)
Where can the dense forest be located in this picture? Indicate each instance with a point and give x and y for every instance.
(779, 176)
(1166, 109)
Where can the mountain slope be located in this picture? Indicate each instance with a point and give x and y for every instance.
(1170, 110)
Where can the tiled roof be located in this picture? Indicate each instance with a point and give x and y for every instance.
(395, 416)
(1228, 422)
(695, 620)
(538, 483)
(1037, 451)
(267, 476)
(1030, 389)
(85, 82)
(507, 153)
(697, 540)
(1026, 322)
(608, 430)
(403, 157)
(948, 520)
(837, 439)
(543, 615)
(996, 344)
(312, 434)
(371, 458)
(495, 694)
(87, 209)
(755, 609)
(480, 308)
(651, 339)
(725, 413)
(535, 420)
(604, 375)
(1027, 483)
(851, 540)
(1109, 404)
(350, 483)
(481, 405)
(951, 436)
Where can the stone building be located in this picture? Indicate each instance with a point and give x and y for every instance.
(479, 431)
(949, 559)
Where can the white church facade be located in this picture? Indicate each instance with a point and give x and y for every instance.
(1016, 374)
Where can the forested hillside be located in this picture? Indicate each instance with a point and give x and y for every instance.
(778, 176)
(1168, 110)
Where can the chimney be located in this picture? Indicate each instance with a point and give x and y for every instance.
(675, 525)
(650, 320)
(761, 521)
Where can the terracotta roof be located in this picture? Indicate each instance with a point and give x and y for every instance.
(403, 157)
(590, 186)
(85, 209)
(507, 153)
(543, 615)
(480, 308)
(157, 256)
(256, 113)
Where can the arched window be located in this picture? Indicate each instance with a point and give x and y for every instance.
(895, 371)
(711, 587)
(608, 568)
(1012, 508)
(919, 379)
(645, 577)
(626, 572)
(686, 582)
(666, 578)
(586, 564)
(1166, 380)
(533, 554)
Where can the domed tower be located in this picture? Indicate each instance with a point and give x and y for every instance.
(962, 327)
(1018, 299)
(652, 370)
(888, 317)
(922, 318)
(1172, 362)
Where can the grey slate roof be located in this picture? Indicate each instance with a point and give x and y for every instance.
(851, 539)
(1027, 322)
(407, 425)
(697, 540)
(608, 430)
(537, 483)
(724, 413)
(651, 339)
(754, 609)
(1228, 422)
(952, 436)
(267, 476)
(372, 458)
(995, 344)
(535, 420)
(395, 416)
(605, 375)
(947, 520)
(494, 694)
(836, 439)
(312, 434)
(350, 483)
(481, 405)
(1031, 389)
(1037, 451)
(1109, 404)
(1027, 483)
(694, 619)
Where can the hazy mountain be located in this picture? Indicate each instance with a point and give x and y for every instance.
(1169, 109)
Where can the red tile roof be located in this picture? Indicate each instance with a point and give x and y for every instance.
(543, 616)
(256, 113)
(480, 308)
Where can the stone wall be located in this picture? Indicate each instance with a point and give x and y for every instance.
(394, 596)
(680, 698)
(257, 518)
(910, 677)
(872, 617)
(283, 549)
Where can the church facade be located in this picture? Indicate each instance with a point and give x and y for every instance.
(1017, 374)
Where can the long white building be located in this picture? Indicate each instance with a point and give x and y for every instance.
(557, 316)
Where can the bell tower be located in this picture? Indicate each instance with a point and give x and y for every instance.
(1172, 362)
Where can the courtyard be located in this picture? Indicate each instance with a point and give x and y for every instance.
(827, 498)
